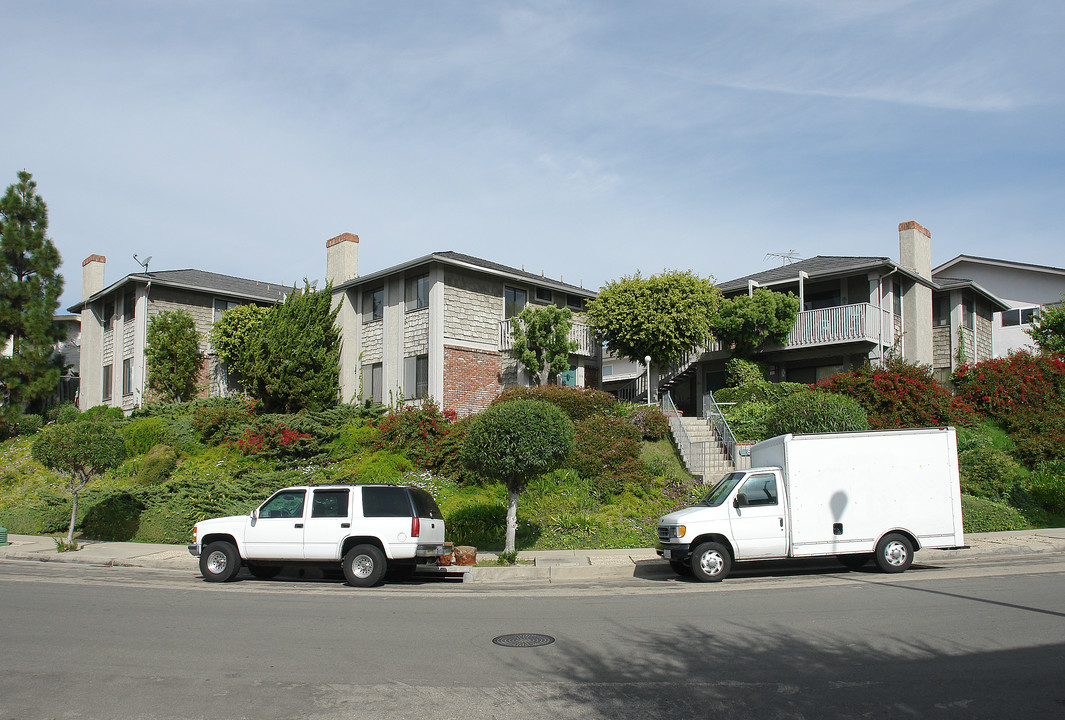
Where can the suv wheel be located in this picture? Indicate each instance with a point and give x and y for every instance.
(364, 565)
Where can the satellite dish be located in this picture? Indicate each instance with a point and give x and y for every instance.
(143, 263)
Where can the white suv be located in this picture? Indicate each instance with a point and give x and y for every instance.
(368, 529)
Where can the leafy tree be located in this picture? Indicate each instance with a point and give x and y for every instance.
(515, 442)
(293, 361)
(82, 451)
(541, 340)
(29, 295)
(174, 356)
(747, 323)
(232, 337)
(662, 316)
(1048, 330)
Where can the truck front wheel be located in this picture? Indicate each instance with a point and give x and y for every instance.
(711, 562)
(219, 562)
(364, 566)
(894, 553)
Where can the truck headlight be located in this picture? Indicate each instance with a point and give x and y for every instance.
(677, 531)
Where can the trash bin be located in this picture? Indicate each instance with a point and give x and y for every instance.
(3, 537)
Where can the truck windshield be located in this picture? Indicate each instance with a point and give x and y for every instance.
(724, 487)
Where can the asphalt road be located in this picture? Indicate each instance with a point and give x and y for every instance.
(983, 640)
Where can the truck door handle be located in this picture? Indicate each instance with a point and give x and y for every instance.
(345, 525)
(781, 523)
(299, 525)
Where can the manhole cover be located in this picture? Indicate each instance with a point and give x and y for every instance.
(523, 640)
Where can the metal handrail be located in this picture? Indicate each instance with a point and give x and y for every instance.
(721, 426)
(684, 442)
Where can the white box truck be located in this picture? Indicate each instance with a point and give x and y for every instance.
(877, 495)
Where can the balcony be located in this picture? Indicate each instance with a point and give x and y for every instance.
(580, 333)
(861, 322)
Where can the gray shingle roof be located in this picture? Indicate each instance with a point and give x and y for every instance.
(199, 281)
(815, 267)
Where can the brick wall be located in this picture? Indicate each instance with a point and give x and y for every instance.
(472, 379)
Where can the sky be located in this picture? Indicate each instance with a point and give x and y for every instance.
(584, 140)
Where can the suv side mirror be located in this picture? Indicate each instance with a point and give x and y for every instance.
(740, 501)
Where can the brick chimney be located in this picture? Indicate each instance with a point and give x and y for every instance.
(92, 275)
(342, 258)
(915, 248)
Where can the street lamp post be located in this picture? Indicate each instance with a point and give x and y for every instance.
(647, 363)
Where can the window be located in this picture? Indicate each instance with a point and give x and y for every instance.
(941, 311)
(968, 310)
(608, 370)
(417, 295)
(129, 304)
(106, 395)
(373, 382)
(127, 376)
(373, 305)
(575, 302)
(760, 489)
(514, 301)
(543, 295)
(425, 505)
(220, 306)
(287, 504)
(823, 299)
(896, 294)
(416, 376)
(330, 503)
(109, 314)
(1019, 316)
(385, 502)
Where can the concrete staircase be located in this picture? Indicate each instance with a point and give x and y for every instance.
(706, 455)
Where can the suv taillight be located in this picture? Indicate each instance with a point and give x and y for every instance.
(415, 526)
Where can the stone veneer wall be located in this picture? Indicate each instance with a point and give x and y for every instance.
(983, 322)
(941, 347)
(373, 339)
(472, 379)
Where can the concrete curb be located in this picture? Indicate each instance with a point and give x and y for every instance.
(549, 566)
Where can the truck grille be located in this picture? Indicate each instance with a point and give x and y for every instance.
(663, 533)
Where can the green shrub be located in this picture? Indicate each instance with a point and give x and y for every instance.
(816, 412)
(749, 420)
(181, 435)
(102, 412)
(989, 473)
(222, 420)
(63, 413)
(1047, 486)
(607, 451)
(650, 421)
(759, 391)
(740, 372)
(578, 403)
(381, 466)
(156, 465)
(480, 524)
(415, 430)
(982, 515)
(353, 438)
(28, 424)
(142, 434)
(112, 515)
(446, 460)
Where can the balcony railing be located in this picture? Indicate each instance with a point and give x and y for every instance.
(847, 323)
(580, 333)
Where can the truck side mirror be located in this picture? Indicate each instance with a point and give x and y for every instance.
(254, 516)
(740, 501)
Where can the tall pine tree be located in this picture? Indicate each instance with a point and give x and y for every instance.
(29, 295)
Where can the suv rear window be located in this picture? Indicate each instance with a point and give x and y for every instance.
(385, 502)
(425, 505)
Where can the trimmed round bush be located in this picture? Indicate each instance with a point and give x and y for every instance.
(156, 465)
(748, 421)
(28, 424)
(982, 515)
(739, 372)
(143, 434)
(816, 412)
(63, 413)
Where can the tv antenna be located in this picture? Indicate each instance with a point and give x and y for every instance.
(143, 263)
(785, 258)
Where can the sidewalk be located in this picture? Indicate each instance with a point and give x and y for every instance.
(534, 566)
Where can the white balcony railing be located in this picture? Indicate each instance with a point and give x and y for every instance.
(847, 323)
(580, 333)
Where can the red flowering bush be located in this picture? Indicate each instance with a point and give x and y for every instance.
(607, 452)
(1025, 394)
(274, 440)
(900, 395)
